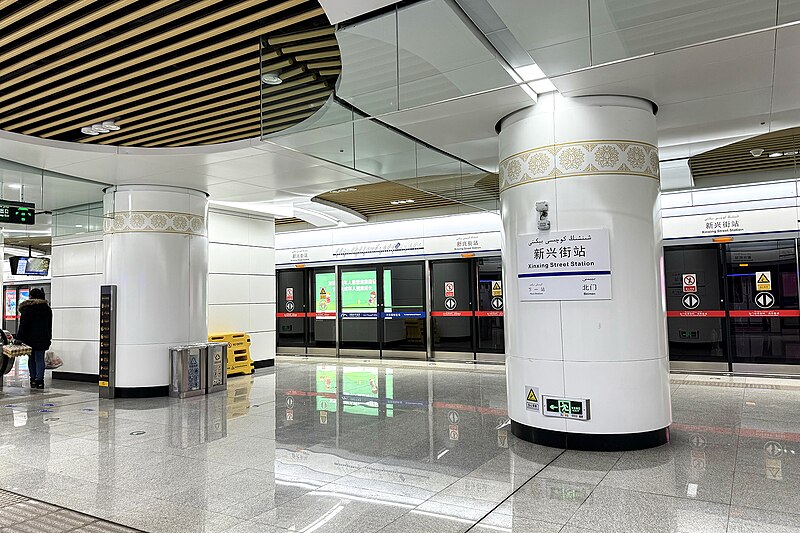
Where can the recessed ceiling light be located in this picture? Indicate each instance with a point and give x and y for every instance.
(78, 225)
(271, 78)
(776, 154)
(110, 125)
(349, 189)
(99, 128)
(401, 202)
(14, 186)
(87, 130)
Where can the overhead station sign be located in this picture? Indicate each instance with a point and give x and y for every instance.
(564, 265)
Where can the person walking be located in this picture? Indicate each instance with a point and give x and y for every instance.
(36, 330)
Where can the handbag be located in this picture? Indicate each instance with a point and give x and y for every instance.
(17, 349)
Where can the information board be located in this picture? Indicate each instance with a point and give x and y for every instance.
(108, 340)
(564, 265)
(17, 212)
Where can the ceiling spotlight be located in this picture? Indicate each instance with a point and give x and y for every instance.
(756, 152)
(14, 185)
(87, 130)
(99, 128)
(776, 154)
(401, 202)
(110, 125)
(271, 78)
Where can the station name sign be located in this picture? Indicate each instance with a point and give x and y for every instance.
(17, 212)
(564, 265)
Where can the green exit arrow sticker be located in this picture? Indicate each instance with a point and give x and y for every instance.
(576, 409)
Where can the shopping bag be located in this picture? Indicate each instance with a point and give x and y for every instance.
(51, 360)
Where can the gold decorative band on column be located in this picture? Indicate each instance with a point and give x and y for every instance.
(155, 222)
(581, 158)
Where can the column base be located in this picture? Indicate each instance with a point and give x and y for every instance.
(619, 442)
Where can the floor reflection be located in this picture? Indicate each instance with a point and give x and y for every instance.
(365, 446)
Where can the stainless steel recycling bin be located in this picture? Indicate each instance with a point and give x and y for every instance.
(216, 367)
(188, 365)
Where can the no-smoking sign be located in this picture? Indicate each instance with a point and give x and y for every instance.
(449, 289)
(689, 282)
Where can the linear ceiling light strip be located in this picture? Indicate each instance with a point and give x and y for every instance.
(129, 89)
(87, 34)
(161, 124)
(205, 126)
(186, 43)
(44, 21)
(8, 20)
(74, 119)
(47, 73)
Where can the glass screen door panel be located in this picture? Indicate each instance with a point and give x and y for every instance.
(291, 308)
(403, 307)
(695, 309)
(763, 302)
(451, 306)
(359, 310)
(489, 315)
(322, 308)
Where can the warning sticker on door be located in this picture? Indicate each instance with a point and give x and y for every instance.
(689, 282)
(289, 294)
(531, 398)
(449, 289)
(497, 288)
(763, 281)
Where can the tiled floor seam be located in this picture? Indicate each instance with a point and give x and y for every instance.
(493, 509)
(567, 524)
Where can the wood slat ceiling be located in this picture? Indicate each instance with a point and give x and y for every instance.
(736, 157)
(169, 72)
(427, 193)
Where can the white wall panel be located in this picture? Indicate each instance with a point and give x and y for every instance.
(77, 267)
(241, 285)
(262, 345)
(76, 291)
(80, 324)
(78, 356)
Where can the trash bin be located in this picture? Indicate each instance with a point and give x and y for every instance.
(188, 365)
(217, 367)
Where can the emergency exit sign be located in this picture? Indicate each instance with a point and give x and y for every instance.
(17, 212)
(566, 408)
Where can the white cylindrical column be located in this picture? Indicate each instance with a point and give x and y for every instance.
(156, 251)
(585, 317)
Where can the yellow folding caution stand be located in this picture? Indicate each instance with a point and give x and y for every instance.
(239, 361)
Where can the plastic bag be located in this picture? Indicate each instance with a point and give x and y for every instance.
(51, 360)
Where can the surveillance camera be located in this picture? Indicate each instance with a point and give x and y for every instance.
(755, 152)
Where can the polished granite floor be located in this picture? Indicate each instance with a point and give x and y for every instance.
(364, 446)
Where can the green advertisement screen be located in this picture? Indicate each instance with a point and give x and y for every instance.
(326, 388)
(360, 390)
(359, 291)
(325, 292)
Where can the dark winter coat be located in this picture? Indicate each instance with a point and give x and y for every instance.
(35, 324)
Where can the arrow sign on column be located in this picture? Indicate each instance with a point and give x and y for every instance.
(690, 300)
(764, 300)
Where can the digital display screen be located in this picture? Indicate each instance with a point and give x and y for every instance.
(17, 212)
(359, 291)
(325, 290)
(29, 266)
